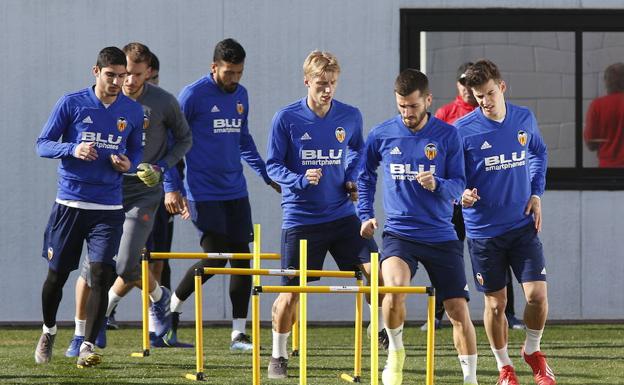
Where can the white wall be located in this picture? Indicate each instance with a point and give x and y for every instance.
(48, 48)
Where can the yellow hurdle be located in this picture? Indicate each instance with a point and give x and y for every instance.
(199, 331)
(344, 289)
(144, 305)
(269, 256)
(374, 298)
(255, 310)
(303, 316)
(279, 272)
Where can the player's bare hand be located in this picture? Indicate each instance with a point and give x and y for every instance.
(275, 186)
(426, 180)
(352, 190)
(86, 151)
(469, 198)
(367, 230)
(535, 207)
(313, 175)
(120, 162)
(175, 203)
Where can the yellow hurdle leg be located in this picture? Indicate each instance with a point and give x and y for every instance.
(303, 316)
(357, 365)
(430, 336)
(255, 310)
(374, 295)
(144, 305)
(199, 332)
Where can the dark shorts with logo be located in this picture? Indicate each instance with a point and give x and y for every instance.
(231, 218)
(340, 237)
(519, 249)
(68, 228)
(444, 262)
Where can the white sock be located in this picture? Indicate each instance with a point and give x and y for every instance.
(502, 357)
(468, 365)
(532, 341)
(279, 344)
(51, 331)
(395, 338)
(85, 343)
(380, 321)
(80, 327)
(176, 303)
(151, 321)
(156, 294)
(113, 300)
(238, 326)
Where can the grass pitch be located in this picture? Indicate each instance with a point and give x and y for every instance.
(579, 354)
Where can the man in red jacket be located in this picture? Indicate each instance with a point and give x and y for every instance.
(463, 103)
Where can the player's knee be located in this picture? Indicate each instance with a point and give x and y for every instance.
(286, 302)
(457, 311)
(394, 301)
(537, 298)
(101, 274)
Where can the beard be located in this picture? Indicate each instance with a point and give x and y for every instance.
(414, 121)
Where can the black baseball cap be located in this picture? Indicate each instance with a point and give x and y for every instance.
(461, 72)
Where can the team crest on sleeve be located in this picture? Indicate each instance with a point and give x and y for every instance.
(522, 137)
(431, 151)
(121, 124)
(341, 134)
(239, 107)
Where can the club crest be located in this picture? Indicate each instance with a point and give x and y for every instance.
(523, 137)
(431, 151)
(240, 108)
(121, 124)
(341, 134)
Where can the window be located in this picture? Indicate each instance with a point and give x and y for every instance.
(553, 62)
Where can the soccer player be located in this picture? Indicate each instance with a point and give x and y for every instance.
(216, 107)
(423, 173)
(313, 151)
(505, 172)
(96, 132)
(142, 192)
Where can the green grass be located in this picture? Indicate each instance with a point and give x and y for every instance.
(579, 354)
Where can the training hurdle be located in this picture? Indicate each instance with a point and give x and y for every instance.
(147, 256)
(374, 291)
(256, 273)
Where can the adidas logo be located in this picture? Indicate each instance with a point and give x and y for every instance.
(466, 288)
(395, 151)
(306, 136)
(87, 120)
(486, 145)
(215, 109)
(543, 271)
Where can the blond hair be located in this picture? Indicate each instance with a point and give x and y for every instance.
(318, 63)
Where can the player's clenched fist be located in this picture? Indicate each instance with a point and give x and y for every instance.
(86, 151)
(313, 175)
(469, 197)
(426, 180)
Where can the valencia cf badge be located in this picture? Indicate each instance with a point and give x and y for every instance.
(145, 122)
(431, 151)
(121, 124)
(341, 134)
(50, 253)
(523, 137)
(480, 279)
(239, 107)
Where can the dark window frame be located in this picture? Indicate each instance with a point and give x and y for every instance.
(414, 21)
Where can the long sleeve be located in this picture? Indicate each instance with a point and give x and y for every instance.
(276, 158)
(48, 145)
(451, 187)
(249, 153)
(134, 147)
(367, 179)
(355, 146)
(538, 160)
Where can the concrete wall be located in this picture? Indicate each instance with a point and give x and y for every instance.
(49, 47)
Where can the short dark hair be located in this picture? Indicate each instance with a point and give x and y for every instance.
(482, 72)
(614, 78)
(411, 80)
(461, 72)
(138, 53)
(155, 63)
(230, 51)
(111, 56)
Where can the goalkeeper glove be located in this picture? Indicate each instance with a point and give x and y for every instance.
(150, 174)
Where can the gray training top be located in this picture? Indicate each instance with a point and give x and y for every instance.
(161, 114)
